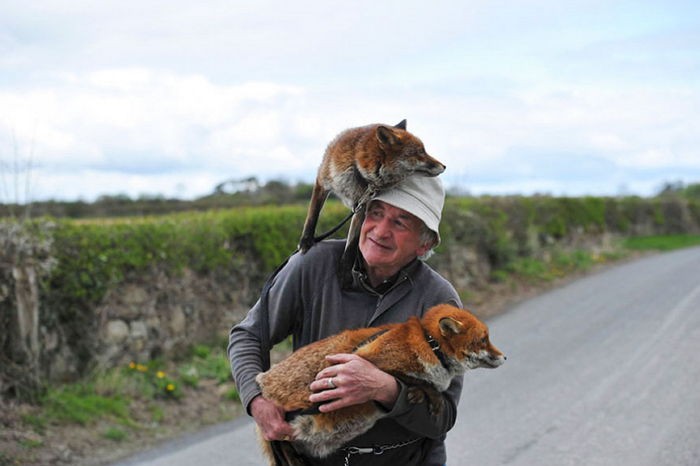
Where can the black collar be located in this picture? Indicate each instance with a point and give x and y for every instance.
(435, 346)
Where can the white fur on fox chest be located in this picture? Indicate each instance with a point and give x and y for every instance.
(435, 374)
(344, 184)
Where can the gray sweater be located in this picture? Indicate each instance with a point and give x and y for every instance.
(306, 301)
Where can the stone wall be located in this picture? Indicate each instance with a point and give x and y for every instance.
(161, 316)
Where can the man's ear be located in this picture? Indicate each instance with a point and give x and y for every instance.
(423, 248)
(449, 326)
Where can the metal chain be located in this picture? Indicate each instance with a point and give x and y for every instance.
(378, 450)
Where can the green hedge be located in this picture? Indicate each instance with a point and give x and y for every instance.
(94, 256)
(97, 254)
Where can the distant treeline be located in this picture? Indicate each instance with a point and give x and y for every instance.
(231, 193)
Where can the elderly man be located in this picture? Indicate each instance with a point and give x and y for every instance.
(390, 284)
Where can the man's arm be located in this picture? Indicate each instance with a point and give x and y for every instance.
(245, 350)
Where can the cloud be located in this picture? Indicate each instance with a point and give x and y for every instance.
(127, 117)
(129, 124)
(542, 95)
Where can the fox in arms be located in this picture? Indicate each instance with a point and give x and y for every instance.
(426, 354)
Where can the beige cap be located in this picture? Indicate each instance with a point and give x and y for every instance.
(422, 196)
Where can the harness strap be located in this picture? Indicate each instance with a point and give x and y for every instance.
(291, 415)
(369, 339)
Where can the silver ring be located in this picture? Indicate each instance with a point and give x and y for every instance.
(329, 382)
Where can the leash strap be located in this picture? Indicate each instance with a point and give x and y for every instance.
(265, 295)
(376, 450)
(335, 228)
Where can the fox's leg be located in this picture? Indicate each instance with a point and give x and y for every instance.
(318, 198)
(420, 391)
(351, 248)
(418, 394)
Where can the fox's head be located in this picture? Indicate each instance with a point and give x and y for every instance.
(462, 337)
(404, 154)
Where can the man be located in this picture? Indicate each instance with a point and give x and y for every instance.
(390, 284)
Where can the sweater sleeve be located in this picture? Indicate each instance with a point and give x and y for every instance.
(417, 417)
(245, 348)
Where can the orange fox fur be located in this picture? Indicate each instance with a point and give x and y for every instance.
(402, 350)
(360, 162)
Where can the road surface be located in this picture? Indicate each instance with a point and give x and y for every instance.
(603, 371)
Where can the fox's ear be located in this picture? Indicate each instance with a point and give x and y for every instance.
(386, 136)
(401, 125)
(450, 326)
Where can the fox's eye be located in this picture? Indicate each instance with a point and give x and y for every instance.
(485, 341)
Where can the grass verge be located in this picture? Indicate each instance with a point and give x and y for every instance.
(114, 412)
(661, 243)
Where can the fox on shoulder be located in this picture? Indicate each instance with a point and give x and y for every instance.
(425, 354)
(360, 162)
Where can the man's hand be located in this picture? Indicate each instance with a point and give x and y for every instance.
(270, 419)
(352, 380)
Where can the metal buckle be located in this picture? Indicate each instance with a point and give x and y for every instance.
(359, 451)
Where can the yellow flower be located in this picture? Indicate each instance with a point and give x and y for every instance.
(141, 368)
(132, 365)
(170, 387)
(160, 374)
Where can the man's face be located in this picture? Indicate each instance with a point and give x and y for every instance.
(390, 239)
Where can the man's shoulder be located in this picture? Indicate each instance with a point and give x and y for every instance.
(321, 256)
(324, 250)
(425, 272)
(432, 282)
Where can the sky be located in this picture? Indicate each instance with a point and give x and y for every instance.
(171, 98)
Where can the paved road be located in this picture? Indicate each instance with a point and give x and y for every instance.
(604, 371)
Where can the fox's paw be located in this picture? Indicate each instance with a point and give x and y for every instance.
(415, 395)
(435, 407)
(436, 403)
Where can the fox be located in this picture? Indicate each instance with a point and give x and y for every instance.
(425, 353)
(360, 162)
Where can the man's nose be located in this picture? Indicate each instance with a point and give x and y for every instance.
(382, 228)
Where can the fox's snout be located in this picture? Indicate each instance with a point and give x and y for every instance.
(486, 359)
(436, 167)
(429, 166)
